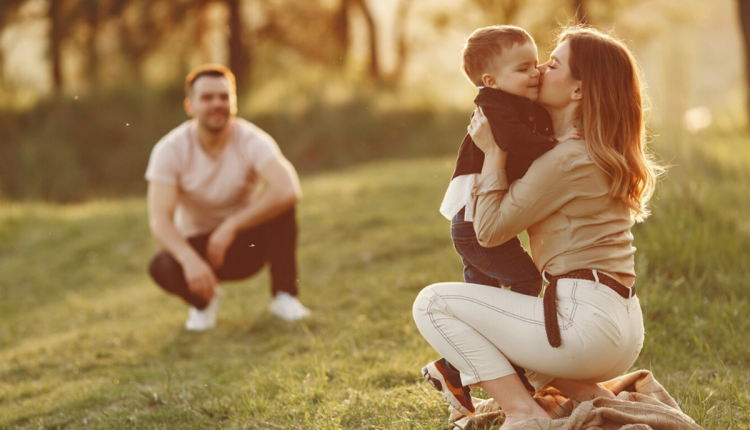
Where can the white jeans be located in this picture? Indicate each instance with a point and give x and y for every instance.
(480, 330)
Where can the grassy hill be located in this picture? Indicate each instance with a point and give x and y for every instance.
(88, 342)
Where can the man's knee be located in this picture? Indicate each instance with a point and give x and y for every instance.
(162, 267)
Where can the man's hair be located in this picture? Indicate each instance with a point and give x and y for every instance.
(214, 70)
(485, 44)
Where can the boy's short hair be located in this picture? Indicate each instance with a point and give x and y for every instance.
(215, 70)
(485, 44)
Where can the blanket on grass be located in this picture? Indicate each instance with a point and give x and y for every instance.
(641, 404)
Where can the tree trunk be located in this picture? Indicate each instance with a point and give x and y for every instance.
(372, 32)
(239, 55)
(341, 31)
(55, 40)
(92, 17)
(744, 9)
(402, 48)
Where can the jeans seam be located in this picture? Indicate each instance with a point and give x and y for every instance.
(481, 303)
(518, 317)
(447, 339)
(575, 306)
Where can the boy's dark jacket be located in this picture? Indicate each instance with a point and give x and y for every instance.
(519, 126)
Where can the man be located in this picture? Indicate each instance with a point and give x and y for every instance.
(221, 200)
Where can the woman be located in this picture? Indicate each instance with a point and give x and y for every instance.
(578, 202)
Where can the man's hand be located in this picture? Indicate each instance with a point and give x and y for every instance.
(219, 242)
(570, 134)
(200, 278)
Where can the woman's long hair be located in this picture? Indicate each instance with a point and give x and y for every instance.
(612, 110)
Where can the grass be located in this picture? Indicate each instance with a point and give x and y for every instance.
(88, 342)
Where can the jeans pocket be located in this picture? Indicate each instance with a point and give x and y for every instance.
(472, 252)
(608, 328)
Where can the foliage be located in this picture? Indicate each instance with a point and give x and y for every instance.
(87, 341)
(68, 150)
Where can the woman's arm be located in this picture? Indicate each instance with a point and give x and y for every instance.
(502, 212)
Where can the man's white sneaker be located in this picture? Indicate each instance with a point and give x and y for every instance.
(288, 308)
(200, 320)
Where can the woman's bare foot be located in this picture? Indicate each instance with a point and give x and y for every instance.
(512, 397)
(515, 416)
(581, 391)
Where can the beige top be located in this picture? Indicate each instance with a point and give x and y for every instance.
(564, 203)
(210, 189)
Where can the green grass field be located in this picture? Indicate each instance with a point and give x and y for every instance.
(88, 342)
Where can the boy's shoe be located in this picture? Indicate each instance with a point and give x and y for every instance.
(200, 320)
(447, 379)
(288, 307)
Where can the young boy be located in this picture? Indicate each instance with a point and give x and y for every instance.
(501, 61)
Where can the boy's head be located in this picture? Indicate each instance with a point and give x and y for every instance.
(503, 57)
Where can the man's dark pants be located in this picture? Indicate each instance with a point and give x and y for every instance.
(274, 242)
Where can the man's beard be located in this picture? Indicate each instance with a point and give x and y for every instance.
(210, 126)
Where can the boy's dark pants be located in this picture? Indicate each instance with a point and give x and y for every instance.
(506, 265)
(274, 242)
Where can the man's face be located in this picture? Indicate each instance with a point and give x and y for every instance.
(212, 102)
(515, 71)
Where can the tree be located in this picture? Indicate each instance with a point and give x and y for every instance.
(402, 49)
(372, 34)
(57, 32)
(240, 58)
(744, 11)
(8, 12)
(499, 11)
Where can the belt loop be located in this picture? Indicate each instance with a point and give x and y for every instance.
(596, 277)
(630, 296)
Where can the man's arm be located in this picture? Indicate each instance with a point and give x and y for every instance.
(281, 193)
(162, 201)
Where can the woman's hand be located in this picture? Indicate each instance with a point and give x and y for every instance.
(481, 134)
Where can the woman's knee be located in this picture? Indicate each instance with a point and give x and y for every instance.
(423, 303)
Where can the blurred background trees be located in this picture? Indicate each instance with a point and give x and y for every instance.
(88, 86)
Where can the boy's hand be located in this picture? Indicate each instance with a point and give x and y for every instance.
(570, 134)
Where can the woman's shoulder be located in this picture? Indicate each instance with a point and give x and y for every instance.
(567, 155)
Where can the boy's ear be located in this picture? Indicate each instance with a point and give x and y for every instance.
(488, 80)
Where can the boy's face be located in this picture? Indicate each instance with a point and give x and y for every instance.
(515, 72)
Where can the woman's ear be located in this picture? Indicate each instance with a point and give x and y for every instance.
(488, 80)
(577, 93)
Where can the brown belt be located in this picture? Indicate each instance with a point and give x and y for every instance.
(550, 299)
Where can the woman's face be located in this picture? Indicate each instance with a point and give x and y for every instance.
(558, 88)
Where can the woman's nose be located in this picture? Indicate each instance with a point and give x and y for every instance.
(542, 68)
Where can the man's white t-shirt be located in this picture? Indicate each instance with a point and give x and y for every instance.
(210, 189)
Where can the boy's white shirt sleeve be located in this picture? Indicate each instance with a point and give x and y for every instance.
(459, 196)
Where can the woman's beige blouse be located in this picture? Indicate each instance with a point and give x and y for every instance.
(563, 201)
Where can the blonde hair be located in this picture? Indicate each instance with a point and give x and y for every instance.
(485, 44)
(612, 111)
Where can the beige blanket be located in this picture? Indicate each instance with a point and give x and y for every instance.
(641, 404)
